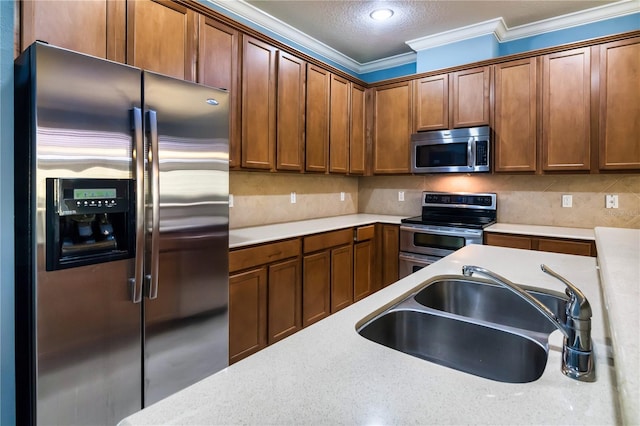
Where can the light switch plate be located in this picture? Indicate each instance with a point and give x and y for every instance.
(400, 195)
(293, 198)
(230, 200)
(342, 196)
(567, 200)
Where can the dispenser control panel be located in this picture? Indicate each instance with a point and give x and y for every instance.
(89, 196)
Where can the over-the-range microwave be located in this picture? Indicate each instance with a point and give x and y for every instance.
(451, 151)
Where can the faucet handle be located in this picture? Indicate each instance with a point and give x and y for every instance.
(579, 306)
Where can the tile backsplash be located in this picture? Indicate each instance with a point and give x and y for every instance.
(533, 200)
(264, 198)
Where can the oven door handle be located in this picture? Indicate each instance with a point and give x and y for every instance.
(417, 258)
(456, 233)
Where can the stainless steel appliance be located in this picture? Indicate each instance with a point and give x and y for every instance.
(449, 221)
(121, 192)
(451, 151)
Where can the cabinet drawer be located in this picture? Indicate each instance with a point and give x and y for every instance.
(508, 241)
(328, 239)
(259, 255)
(364, 233)
(569, 247)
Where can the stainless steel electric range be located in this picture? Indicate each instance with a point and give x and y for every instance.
(449, 221)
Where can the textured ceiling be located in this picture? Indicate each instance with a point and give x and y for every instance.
(345, 25)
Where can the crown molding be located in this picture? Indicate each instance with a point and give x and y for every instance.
(503, 33)
(600, 13)
(495, 26)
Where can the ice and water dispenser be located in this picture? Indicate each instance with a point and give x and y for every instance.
(89, 221)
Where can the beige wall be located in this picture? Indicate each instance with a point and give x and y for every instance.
(534, 200)
(263, 198)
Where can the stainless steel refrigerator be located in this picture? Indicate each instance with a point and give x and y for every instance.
(121, 194)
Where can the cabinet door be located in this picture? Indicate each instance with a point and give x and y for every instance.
(357, 141)
(470, 97)
(431, 103)
(566, 111)
(392, 128)
(161, 38)
(389, 250)
(316, 277)
(247, 313)
(285, 300)
(515, 123)
(620, 105)
(363, 277)
(93, 27)
(218, 51)
(290, 112)
(341, 277)
(339, 125)
(258, 104)
(317, 119)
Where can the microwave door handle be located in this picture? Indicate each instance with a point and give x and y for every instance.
(136, 283)
(152, 277)
(471, 149)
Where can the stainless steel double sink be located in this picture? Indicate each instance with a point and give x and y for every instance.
(471, 325)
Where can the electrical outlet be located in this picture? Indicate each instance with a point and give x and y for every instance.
(611, 201)
(230, 200)
(400, 195)
(342, 196)
(293, 198)
(567, 200)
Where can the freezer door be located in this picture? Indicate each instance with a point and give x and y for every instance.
(77, 333)
(185, 308)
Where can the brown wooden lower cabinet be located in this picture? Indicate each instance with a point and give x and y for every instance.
(247, 313)
(278, 288)
(363, 273)
(316, 286)
(265, 296)
(341, 277)
(388, 237)
(529, 242)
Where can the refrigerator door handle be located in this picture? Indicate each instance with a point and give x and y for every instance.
(136, 283)
(152, 278)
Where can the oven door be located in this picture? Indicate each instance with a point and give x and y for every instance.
(437, 240)
(410, 263)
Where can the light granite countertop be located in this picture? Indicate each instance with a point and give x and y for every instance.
(241, 237)
(328, 374)
(543, 231)
(619, 259)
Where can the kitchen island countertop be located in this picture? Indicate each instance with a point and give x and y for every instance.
(328, 374)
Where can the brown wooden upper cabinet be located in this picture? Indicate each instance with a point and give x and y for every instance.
(290, 112)
(515, 116)
(317, 119)
(218, 50)
(566, 110)
(339, 125)
(620, 105)
(258, 104)
(431, 105)
(96, 28)
(392, 128)
(447, 101)
(469, 99)
(169, 51)
(357, 141)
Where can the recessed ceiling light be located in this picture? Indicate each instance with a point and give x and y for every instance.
(381, 14)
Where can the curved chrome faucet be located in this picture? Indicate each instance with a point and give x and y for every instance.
(577, 353)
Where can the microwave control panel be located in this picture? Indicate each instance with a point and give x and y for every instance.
(482, 153)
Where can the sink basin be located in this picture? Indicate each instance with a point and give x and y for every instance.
(463, 345)
(476, 299)
(471, 325)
